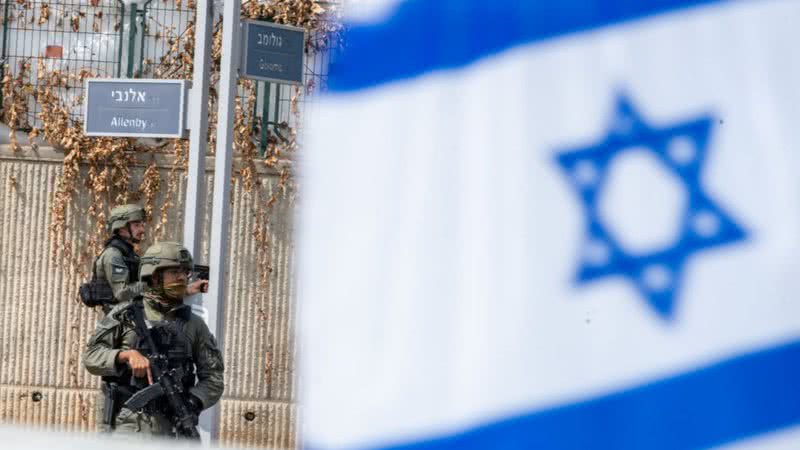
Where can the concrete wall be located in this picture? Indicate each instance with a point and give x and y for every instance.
(43, 327)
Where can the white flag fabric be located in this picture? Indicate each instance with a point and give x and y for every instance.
(556, 224)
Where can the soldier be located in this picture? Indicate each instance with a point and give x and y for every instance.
(118, 350)
(115, 276)
(118, 263)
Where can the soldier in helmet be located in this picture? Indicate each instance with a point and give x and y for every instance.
(118, 263)
(118, 350)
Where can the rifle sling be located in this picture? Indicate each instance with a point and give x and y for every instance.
(140, 326)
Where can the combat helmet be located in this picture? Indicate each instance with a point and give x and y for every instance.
(122, 215)
(162, 255)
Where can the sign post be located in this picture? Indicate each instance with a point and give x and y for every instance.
(198, 130)
(194, 211)
(218, 261)
(135, 108)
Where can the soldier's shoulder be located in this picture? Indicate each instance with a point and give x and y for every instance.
(203, 334)
(194, 319)
(117, 315)
(110, 252)
(113, 257)
(111, 323)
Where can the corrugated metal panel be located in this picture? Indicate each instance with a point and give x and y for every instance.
(43, 328)
(261, 348)
(259, 424)
(42, 325)
(66, 409)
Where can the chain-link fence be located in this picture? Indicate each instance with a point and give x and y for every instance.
(79, 37)
(164, 36)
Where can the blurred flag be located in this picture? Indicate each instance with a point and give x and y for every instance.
(556, 224)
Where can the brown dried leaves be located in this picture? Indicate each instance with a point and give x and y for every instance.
(44, 13)
(16, 92)
(75, 22)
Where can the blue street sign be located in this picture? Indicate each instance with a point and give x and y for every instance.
(134, 107)
(273, 52)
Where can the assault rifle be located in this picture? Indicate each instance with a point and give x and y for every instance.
(201, 271)
(167, 384)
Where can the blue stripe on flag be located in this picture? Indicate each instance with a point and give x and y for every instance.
(737, 398)
(426, 35)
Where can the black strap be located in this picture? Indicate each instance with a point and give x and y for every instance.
(94, 266)
(140, 326)
(125, 248)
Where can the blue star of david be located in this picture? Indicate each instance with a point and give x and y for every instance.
(681, 148)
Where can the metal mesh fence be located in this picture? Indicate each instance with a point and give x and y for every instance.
(78, 37)
(163, 34)
(149, 39)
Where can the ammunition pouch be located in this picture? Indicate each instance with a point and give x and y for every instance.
(96, 292)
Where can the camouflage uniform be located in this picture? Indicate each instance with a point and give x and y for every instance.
(194, 344)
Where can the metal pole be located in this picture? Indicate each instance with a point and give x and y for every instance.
(121, 31)
(265, 118)
(222, 179)
(255, 106)
(4, 61)
(132, 39)
(198, 125)
(194, 206)
(141, 46)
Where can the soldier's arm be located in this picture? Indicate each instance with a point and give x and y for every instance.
(109, 339)
(210, 367)
(117, 274)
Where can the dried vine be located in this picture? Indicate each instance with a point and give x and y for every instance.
(16, 92)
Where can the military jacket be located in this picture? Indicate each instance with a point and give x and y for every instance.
(116, 333)
(112, 266)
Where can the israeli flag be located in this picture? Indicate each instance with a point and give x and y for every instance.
(555, 224)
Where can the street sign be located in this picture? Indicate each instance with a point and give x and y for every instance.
(134, 107)
(273, 52)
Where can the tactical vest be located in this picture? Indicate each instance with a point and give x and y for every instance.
(171, 341)
(130, 257)
(98, 292)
